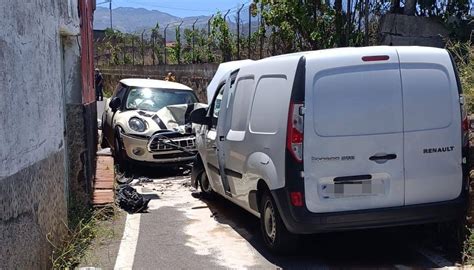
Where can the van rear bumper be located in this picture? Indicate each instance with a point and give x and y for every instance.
(300, 220)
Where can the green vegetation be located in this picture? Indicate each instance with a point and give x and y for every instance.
(84, 227)
(463, 53)
(281, 27)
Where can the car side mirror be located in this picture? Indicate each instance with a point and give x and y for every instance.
(115, 103)
(199, 116)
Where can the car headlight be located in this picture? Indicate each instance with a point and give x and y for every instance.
(137, 124)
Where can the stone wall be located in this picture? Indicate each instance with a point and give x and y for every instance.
(196, 76)
(38, 54)
(403, 30)
(32, 212)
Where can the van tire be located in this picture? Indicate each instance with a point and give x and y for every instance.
(206, 188)
(276, 236)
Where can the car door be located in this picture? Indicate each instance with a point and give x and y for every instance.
(353, 131)
(432, 121)
(108, 125)
(223, 127)
(208, 137)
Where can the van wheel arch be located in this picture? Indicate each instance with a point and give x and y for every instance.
(275, 235)
(256, 196)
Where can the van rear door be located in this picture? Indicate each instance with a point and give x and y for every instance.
(432, 113)
(353, 130)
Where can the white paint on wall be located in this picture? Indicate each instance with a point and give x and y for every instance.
(31, 101)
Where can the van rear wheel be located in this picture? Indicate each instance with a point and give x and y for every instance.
(277, 238)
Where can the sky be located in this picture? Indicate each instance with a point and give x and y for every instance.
(180, 8)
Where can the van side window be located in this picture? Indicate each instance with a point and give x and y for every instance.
(267, 112)
(240, 101)
(216, 105)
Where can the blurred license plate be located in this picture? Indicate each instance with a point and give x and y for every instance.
(352, 189)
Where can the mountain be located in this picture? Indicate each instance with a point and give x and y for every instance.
(137, 20)
(131, 20)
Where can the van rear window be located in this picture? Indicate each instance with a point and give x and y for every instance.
(427, 97)
(357, 100)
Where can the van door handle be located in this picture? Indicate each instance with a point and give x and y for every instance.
(383, 157)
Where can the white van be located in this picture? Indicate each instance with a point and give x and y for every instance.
(338, 139)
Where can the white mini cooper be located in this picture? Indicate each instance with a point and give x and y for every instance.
(148, 121)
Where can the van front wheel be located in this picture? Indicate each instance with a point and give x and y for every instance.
(206, 188)
(277, 238)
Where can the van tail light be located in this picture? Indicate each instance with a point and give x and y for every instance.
(296, 199)
(295, 132)
(465, 124)
(374, 58)
(465, 130)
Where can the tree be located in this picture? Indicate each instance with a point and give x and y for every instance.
(222, 37)
(308, 24)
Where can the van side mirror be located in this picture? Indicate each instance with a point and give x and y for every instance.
(199, 116)
(115, 103)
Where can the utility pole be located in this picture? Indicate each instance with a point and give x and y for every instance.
(250, 30)
(209, 37)
(164, 34)
(194, 34)
(226, 55)
(366, 23)
(348, 22)
(179, 42)
(143, 49)
(262, 29)
(110, 9)
(238, 32)
(133, 50)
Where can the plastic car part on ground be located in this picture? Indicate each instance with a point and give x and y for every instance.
(130, 200)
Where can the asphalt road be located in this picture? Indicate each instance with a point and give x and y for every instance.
(182, 231)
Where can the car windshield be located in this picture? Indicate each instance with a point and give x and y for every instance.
(153, 99)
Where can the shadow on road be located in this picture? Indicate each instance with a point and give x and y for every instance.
(376, 248)
(158, 172)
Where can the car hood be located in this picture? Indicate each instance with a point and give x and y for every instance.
(173, 118)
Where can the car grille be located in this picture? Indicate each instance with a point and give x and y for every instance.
(185, 142)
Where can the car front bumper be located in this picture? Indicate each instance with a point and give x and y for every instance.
(137, 150)
(300, 220)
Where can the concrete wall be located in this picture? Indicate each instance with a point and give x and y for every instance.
(196, 76)
(38, 73)
(398, 29)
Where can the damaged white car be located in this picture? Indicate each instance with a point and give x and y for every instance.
(147, 121)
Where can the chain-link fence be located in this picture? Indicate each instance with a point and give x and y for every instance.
(256, 30)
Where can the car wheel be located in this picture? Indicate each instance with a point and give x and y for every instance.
(205, 185)
(277, 238)
(119, 154)
(103, 141)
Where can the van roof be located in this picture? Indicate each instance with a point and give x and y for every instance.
(345, 50)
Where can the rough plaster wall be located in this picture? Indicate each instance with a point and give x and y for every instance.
(31, 112)
(72, 66)
(33, 202)
(28, 215)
